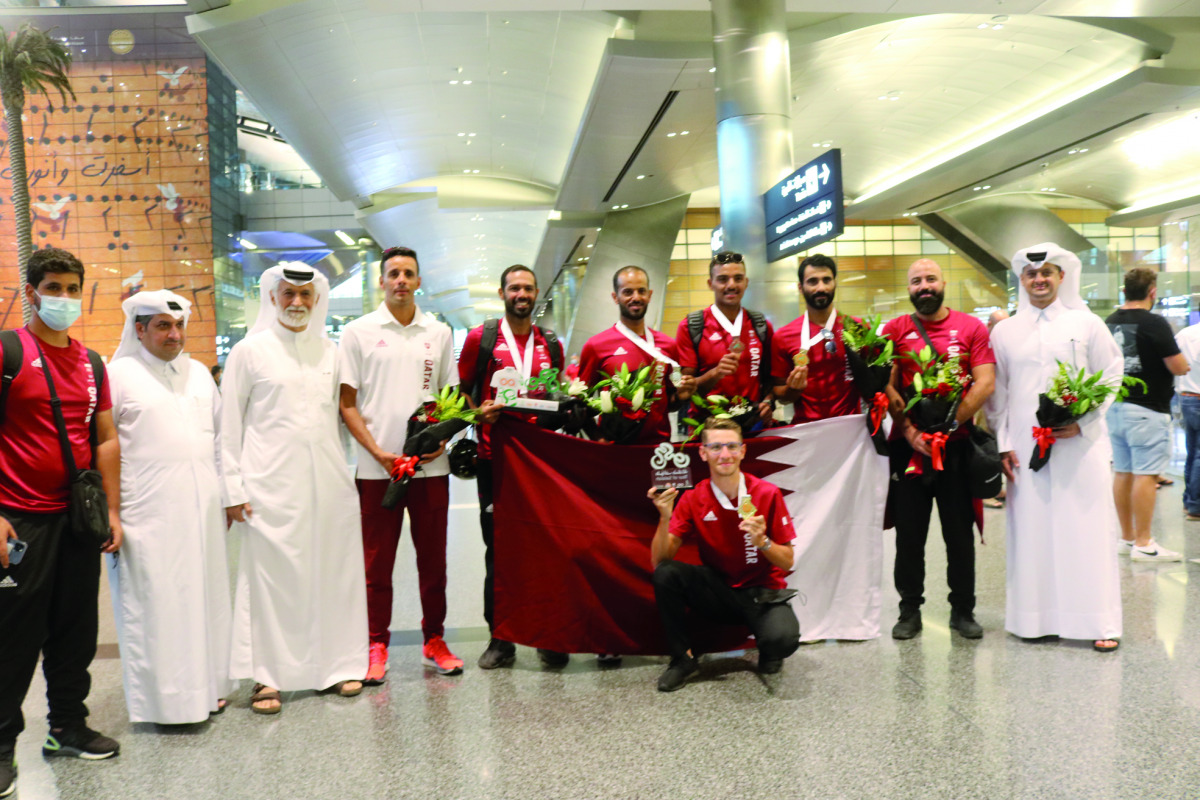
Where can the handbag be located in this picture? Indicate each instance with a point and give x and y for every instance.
(87, 505)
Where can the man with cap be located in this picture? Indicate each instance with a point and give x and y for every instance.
(390, 362)
(727, 348)
(634, 344)
(48, 601)
(951, 333)
(300, 608)
(808, 356)
(1062, 576)
(170, 587)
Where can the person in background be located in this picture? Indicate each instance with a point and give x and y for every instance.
(1140, 425)
(1188, 388)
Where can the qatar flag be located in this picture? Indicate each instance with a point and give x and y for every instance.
(573, 528)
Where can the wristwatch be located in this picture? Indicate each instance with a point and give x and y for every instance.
(953, 426)
(766, 546)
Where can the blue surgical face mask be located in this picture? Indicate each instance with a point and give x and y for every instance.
(59, 313)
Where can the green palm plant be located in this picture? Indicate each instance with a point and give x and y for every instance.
(30, 60)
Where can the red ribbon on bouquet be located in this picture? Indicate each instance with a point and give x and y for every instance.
(937, 446)
(404, 465)
(879, 407)
(1045, 438)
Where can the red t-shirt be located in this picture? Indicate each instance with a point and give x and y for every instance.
(830, 391)
(958, 334)
(699, 515)
(33, 477)
(714, 343)
(501, 358)
(608, 350)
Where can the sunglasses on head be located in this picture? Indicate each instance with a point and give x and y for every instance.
(729, 258)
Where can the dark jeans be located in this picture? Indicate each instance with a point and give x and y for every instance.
(912, 499)
(483, 482)
(1190, 407)
(52, 610)
(679, 587)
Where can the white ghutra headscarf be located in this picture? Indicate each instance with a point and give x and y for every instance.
(1068, 262)
(142, 304)
(297, 274)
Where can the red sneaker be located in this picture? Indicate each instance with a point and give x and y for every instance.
(378, 666)
(438, 656)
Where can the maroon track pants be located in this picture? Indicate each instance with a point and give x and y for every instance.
(427, 501)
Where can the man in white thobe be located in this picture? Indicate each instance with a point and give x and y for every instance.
(300, 610)
(170, 583)
(1062, 577)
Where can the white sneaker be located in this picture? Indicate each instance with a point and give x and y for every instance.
(1153, 551)
(1124, 546)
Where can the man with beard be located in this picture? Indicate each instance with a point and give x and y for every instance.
(726, 347)
(513, 344)
(808, 357)
(951, 333)
(632, 344)
(300, 609)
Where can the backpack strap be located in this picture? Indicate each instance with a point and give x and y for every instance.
(553, 347)
(695, 324)
(14, 353)
(487, 346)
(917, 321)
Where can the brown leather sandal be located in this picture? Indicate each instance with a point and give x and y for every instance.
(261, 694)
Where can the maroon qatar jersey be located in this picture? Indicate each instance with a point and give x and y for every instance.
(830, 391)
(608, 350)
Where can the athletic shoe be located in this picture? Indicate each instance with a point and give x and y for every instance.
(608, 660)
(437, 655)
(80, 741)
(377, 668)
(553, 658)
(8, 769)
(769, 666)
(499, 653)
(1153, 551)
(909, 624)
(1124, 546)
(678, 673)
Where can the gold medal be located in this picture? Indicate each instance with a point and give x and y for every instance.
(746, 508)
(736, 346)
(801, 358)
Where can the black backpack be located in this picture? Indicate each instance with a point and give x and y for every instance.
(487, 345)
(695, 324)
(14, 356)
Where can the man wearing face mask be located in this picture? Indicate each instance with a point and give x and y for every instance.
(808, 359)
(48, 600)
(170, 588)
(952, 333)
(300, 609)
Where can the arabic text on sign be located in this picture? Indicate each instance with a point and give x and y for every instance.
(818, 210)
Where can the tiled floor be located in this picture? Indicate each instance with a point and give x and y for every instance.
(935, 717)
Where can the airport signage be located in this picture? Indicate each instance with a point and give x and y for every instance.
(806, 208)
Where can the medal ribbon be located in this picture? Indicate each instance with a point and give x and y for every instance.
(524, 364)
(724, 501)
(646, 344)
(879, 407)
(734, 329)
(807, 341)
(1045, 438)
(937, 446)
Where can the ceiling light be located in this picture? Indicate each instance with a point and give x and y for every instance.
(246, 243)
(994, 27)
(462, 133)
(474, 172)
(712, 69)
(345, 237)
(684, 133)
(466, 83)
(466, 170)
(1072, 152)
(669, 135)
(976, 189)
(452, 83)
(1083, 149)
(625, 205)
(470, 134)
(985, 188)
(616, 207)
(591, 245)
(982, 26)
(1000, 18)
(641, 177)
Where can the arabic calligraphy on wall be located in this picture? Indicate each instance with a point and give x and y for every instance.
(120, 177)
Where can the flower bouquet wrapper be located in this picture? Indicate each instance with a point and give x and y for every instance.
(932, 415)
(424, 437)
(1050, 415)
(871, 381)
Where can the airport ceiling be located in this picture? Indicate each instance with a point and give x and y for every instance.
(462, 132)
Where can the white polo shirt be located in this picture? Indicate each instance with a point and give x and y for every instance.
(395, 369)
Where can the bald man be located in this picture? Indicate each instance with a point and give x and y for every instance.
(951, 333)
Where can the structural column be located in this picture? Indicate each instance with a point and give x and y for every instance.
(754, 138)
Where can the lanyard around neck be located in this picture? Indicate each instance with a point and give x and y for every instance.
(523, 363)
(807, 341)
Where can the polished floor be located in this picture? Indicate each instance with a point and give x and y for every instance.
(935, 717)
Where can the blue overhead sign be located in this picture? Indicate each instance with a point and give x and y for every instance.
(806, 208)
